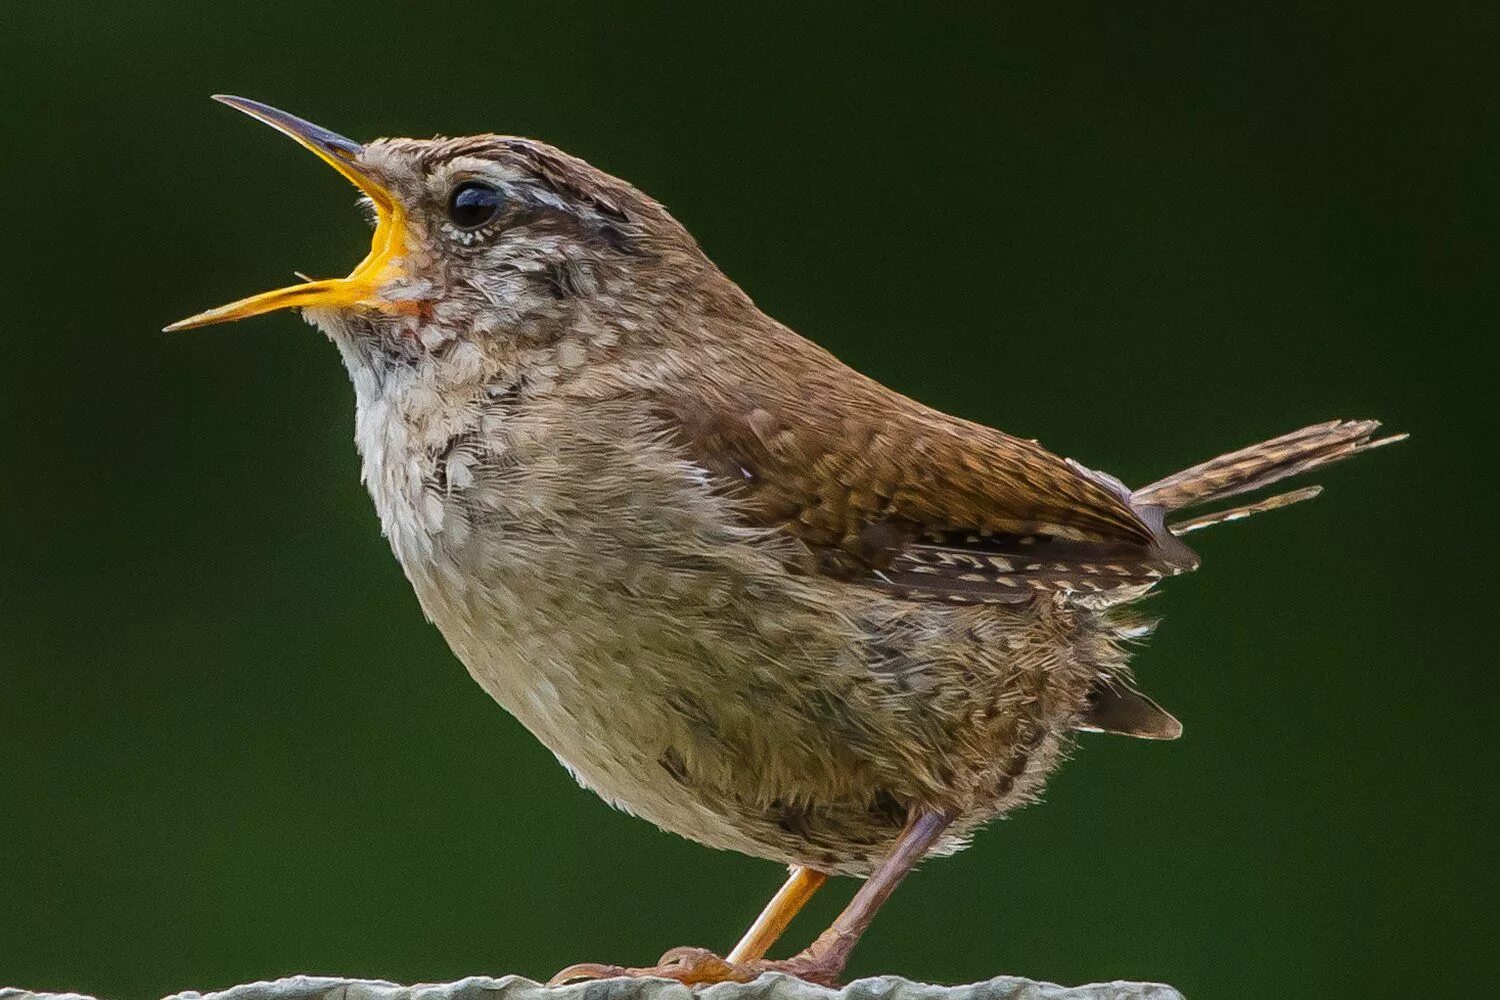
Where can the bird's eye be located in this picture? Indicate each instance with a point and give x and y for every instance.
(473, 204)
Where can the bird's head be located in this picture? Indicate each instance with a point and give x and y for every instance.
(481, 237)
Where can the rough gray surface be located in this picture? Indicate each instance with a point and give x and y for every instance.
(768, 987)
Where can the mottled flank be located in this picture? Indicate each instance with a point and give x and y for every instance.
(736, 587)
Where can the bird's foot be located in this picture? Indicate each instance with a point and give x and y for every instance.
(701, 967)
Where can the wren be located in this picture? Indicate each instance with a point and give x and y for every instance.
(739, 589)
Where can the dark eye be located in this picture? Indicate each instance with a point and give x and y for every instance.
(473, 204)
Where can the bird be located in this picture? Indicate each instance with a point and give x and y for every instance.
(739, 589)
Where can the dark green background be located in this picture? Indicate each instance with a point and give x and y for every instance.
(234, 750)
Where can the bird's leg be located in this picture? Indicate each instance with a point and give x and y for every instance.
(773, 920)
(823, 960)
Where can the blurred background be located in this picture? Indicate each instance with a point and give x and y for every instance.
(232, 748)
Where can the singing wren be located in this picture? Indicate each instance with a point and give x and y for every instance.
(739, 589)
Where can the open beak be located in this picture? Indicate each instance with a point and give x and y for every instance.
(388, 243)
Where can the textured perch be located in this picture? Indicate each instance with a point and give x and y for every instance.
(768, 987)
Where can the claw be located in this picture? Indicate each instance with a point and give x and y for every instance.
(689, 966)
(701, 967)
(584, 971)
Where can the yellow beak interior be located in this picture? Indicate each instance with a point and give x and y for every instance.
(388, 243)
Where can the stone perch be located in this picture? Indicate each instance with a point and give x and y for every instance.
(767, 987)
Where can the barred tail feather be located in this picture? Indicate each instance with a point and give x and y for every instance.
(1244, 510)
(1258, 466)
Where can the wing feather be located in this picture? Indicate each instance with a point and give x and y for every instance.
(882, 488)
